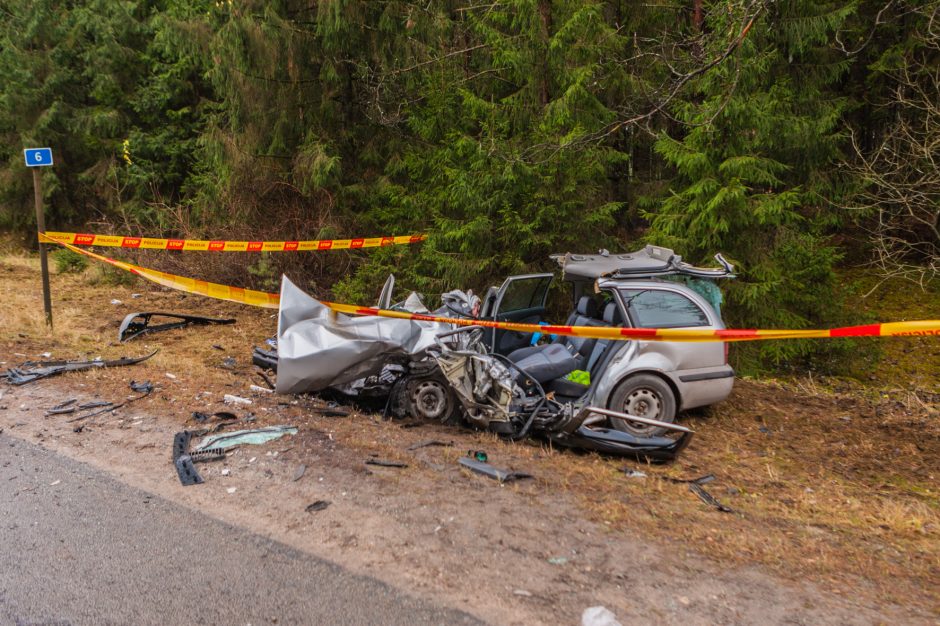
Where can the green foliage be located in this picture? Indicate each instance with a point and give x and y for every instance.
(507, 131)
(68, 262)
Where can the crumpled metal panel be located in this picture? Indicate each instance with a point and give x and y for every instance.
(317, 348)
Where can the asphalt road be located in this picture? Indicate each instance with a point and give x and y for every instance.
(78, 547)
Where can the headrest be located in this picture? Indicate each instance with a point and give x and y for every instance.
(612, 314)
(587, 306)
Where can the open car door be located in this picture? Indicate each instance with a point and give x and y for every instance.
(519, 299)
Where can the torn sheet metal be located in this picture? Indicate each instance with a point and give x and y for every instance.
(32, 371)
(137, 324)
(481, 467)
(237, 437)
(317, 348)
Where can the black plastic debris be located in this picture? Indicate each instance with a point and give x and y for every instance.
(429, 443)
(142, 387)
(695, 486)
(183, 461)
(222, 416)
(502, 475)
(708, 498)
(382, 463)
(319, 505)
(137, 324)
(265, 359)
(37, 370)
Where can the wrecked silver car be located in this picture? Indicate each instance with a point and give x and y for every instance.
(606, 395)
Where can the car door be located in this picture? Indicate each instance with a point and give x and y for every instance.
(519, 299)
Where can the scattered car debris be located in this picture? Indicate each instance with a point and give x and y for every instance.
(695, 486)
(708, 498)
(319, 505)
(37, 370)
(265, 359)
(299, 472)
(557, 560)
(230, 399)
(183, 461)
(105, 406)
(428, 443)
(701, 480)
(253, 437)
(229, 363)
(258, 389)
(137, 324)
(502, 475)
(479, 455)
(382, 463)
(217, 346)
(632, 473)
(222, 416)
(63, 407)
(142, 387)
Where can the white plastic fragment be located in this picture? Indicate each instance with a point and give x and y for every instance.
(226, 471)
(258, 389)
(230, 399)
(171, 376)
(231, 489)
(599, 616)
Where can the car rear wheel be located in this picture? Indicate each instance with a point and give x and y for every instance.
(643, 395)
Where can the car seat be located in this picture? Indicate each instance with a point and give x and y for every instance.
(564, 387)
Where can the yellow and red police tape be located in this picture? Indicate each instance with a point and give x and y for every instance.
(153, 243)
(272, 300)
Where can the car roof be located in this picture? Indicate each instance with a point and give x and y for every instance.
(646, 263)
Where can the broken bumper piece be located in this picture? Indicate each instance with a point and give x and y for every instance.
(32, 371)
(137, 324)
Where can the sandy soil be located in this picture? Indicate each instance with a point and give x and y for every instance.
(836, 509)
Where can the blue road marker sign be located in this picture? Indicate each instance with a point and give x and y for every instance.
(38, 157)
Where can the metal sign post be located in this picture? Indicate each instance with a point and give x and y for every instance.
(36, 158)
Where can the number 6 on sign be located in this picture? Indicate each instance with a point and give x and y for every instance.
(38, 157)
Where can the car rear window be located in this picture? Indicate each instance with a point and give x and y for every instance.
(658, 308)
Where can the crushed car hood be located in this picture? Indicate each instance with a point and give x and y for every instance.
(318, 348)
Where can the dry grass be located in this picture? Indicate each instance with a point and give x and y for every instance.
(829, 482)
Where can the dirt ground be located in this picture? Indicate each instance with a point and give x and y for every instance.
(833, 488)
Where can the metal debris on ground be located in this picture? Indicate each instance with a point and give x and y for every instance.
(252, 437)
(137, 324)
(695, 486)
(708, 498)
(299, 472)
(37, 370)
(319, 505)
(63, 408)
(382, 463)
(502, 475)
(430, 442)
(230, 399)
(104, 406)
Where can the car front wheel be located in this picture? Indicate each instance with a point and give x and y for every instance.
(643, 395)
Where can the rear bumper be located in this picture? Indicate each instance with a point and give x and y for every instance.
(705, 386)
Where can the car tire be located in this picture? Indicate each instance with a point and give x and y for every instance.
(431, 398)
(643, 395)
